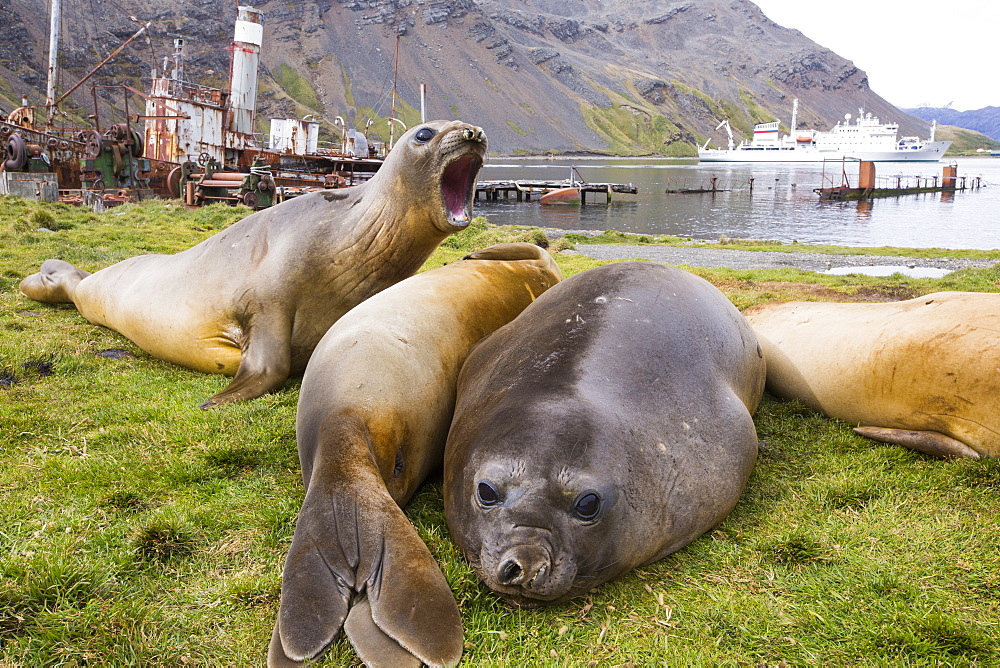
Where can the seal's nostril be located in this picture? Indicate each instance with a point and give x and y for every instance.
(510, 571)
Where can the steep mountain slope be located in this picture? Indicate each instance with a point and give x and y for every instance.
(626, 76)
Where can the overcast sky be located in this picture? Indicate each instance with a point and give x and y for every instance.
(915, 52)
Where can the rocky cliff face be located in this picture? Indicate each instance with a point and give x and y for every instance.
(624, 76)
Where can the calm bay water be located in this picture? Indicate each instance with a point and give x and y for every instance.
(783, 206)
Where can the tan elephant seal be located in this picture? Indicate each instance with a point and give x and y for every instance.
(374, 410)
(604, 428)
(253, 300)
(922, 373)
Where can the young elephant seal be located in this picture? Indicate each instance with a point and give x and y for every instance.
(921, 373)
(374, 410)
(253, 300)
(604, 428)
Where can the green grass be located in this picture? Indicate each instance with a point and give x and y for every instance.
(633, 133)
(298, 88)
(964, 142)
(136, 529)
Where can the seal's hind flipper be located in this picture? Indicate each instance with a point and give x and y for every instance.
(371, 643)
(410, 599)
(55, 282)
(343, 547)
(276, 657)
(928, 442)
(508, 252)
(314, 604)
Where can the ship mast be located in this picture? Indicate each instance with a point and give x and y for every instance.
(55, 9)
(395, 69)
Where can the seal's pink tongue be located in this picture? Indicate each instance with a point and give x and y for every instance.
(456, 184)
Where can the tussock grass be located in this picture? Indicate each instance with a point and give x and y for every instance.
(136, 529)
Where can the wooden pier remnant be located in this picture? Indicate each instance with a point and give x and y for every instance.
(697, 185)
(524, 190)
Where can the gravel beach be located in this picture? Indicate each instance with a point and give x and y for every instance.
(738, 259)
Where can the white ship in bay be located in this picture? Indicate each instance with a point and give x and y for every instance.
(865, 139)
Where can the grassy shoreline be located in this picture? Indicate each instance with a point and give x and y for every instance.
(615, 237)
(136, 529)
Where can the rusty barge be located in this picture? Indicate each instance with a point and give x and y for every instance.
(869, 186)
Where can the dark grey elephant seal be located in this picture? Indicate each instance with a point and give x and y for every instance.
(921, 373)
(253, 300)
(374, 410)
(606, 427)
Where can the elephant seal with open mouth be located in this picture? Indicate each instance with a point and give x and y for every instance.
(254, 300)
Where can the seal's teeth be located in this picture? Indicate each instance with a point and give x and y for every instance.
(474, 134)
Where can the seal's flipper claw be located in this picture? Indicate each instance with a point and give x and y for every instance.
(250, 384)
(55, 282)
(929, 442)
(410, 599)
(371, 643)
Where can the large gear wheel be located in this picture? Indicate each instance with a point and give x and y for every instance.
(174, 181)
(250, 199)
(93, 144)
(17, 154)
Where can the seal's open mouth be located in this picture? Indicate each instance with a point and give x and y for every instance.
(457, 188)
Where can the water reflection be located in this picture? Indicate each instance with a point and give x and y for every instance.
(864, 208)
(782, 205)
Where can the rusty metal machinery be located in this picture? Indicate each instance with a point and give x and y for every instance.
(113, 159)
(25, 149)
(210, 183)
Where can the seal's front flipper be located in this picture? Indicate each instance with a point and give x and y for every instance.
(265, 363)
(928, 442)
(55, 283)
(373, 646)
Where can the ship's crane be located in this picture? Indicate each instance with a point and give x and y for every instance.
(729, 131)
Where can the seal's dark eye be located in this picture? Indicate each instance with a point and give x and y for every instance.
(487, 494)
(424, 135)
(587, 506)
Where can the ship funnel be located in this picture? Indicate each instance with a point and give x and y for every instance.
(246, 56)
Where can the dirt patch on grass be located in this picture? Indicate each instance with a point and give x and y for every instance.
(792, 291)
(812, 291)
